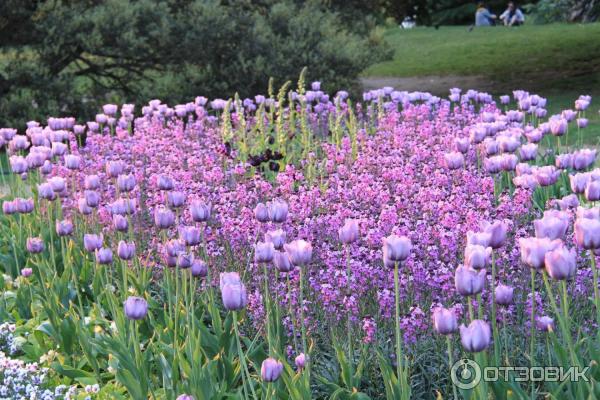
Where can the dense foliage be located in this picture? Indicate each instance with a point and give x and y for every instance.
(69, 57)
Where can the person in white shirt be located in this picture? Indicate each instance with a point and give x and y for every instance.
(513, 16)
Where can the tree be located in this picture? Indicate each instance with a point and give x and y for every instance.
(70, 56)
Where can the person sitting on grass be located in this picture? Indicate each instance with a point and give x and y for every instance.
(513, 16)
(483, 17)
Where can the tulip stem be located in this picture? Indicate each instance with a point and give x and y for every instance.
(596, 295)
(497, 342)
(349, 322)
(242, 357)
(302, 327)
(450, 364)
(267, 311)
(532, 329)
(399, 356)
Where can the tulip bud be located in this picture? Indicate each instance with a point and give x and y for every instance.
(135, 308)
(300, 361)
(476, 337)
(26, 272)
(271, 370)
(545, 324)
(444, 321)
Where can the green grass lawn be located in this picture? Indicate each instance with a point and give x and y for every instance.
(558, 61)
(491, 51)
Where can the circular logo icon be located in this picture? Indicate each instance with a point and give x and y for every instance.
(465, 374)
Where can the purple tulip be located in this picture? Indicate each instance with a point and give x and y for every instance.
(476, 337)
(233, 291)
(299, 251)
(558, 126)
(579, 182)
(125, 250)
(104, 256)
(83, 207)
(58, 184)
(561, 263)
(261, 213)
(24, 206)
(120, 223)
(200, 211)
(92, 182)
(126, 183)
(497, 231)
(271, 369)
(92, 242)
(589, 213)
(175, 199)
(528, 152)
(468, 281)
(190, 235)
(163, 218)
(282, 261)
(533, 250)
(550, 227)
(583, 159)
(545, 324)
(277, 210)
(454, 160)
(592, 191)
(300, 361)
(199, 269)
(444, 321)
(547, 175)
(174, 247)
(277, 237)
(504, 295)
(135, 308)
(114, 168)
(35, 245)
(477, 257)
(185, 260)
(508, 144)
(9, 207)
(263, 252)
(349, 233)
(185, 397)
(64, 228)
(462, 145)
(587, 233)
(26, 272)
(582, 123)
(479, 238)
(165, 182)
(395, 249)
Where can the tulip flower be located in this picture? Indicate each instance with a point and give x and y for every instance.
(163, 218)
(582, 122)
(479, 238)
(300, 361)
(444, 321)
(261, 213)
(528, 152)
(504, 295)
(590, 213)
(165, 182)
(92, 182)
(233, 291)
(533, 250)
(114, 168)
(125, 250)
(120, 223)
(35, 245)
(468, 281)
(104, 256)
(92, 242)
(190, 235)
(558, 126)
(587, 233)
(174, 247)
(550, 227)
(46, 192)
(24, 206)
(199, 269)
(579, 182)
(83, 207)
(592, 191)
(349, 233)
(545, 324)
(477, 257)
(26, 272)
(454, 160)
(561, 263)
(564, 161)
(299, 251)
(277, 237)
(135, 308)
(175, 199)
(497, 231)
(199, 211)
(271, 369)
(396, 248)
(476, 337)
(277, 211)
(282, 261)
(9, 207)
(185, 260)
(64, 228)
(72, 161)
(583, 159)
(126, 183)
(92, 198)
(462, 145)
(263, 252)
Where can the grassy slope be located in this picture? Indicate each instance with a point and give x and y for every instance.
(558, 61)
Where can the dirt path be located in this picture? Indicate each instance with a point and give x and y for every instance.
(438, 85)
